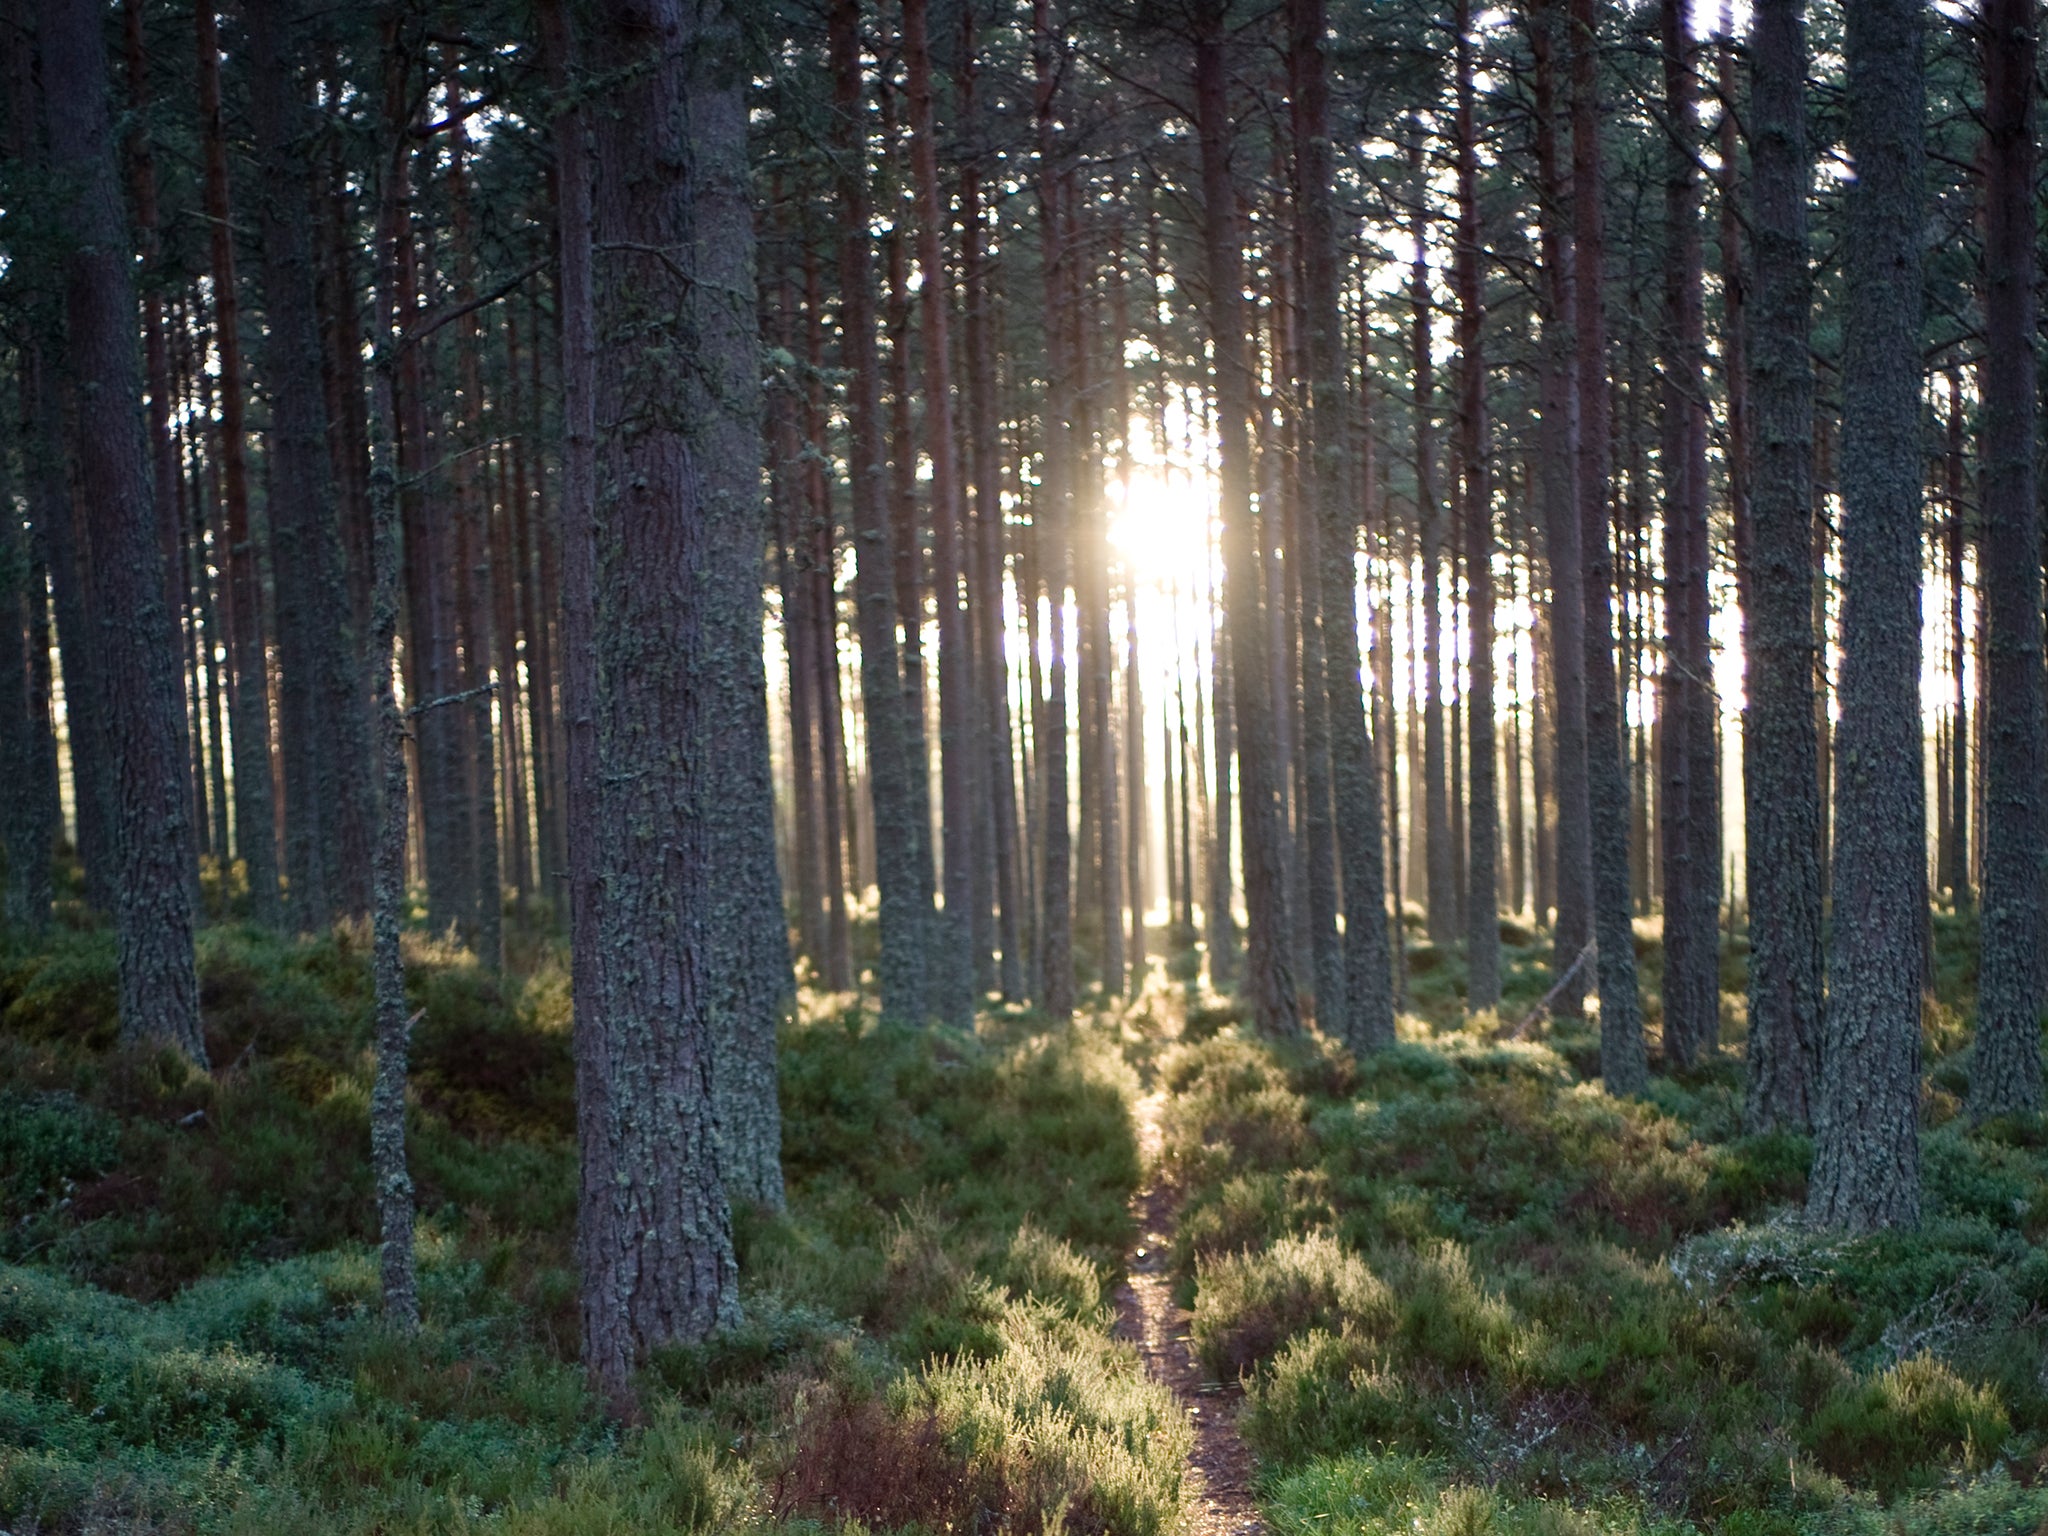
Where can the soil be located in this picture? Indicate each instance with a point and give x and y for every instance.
(1219, 1466)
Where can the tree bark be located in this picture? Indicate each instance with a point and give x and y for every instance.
(1623, 1064)
(899, 841)
(1866, 1163)
(1780, 748)
(159, 988)
(678, 482)
(1482, 902)
(2005, 1077)
(1269, 975)
(1689, 805)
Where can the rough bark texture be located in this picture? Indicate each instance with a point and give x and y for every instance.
(328, 754)
(1780, 752)
(2006, 1075)
(1438, 846)
(953, 973)
(1623, 1062)
(1482, 858)
(387, 963)
(1269, 975)
(159, 987)
(1866, 1156)
(1688, 806)
(1367, 1020)
(899, 838)
(676, 415)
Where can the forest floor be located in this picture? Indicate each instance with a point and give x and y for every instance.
(1220, 1468)
(1449, 1290)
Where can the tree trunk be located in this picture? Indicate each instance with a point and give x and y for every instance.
(2006, 1075)
(1269, 978)
(1780, 761)
(1438, 851)
(1563, 539)
(1482, 903)
(985, 609)
(1367, 1021)
(1866, 1161)
(1623, 1067)
(899, 839)
(1689, 806)
(678, 452)
(318, 651)
(159, 988)
(255, 836)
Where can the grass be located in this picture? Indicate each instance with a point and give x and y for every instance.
(189, 1331)
(1467, 1292)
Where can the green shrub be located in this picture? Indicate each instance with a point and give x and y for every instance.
(1901, 1429)
(1249, 1304)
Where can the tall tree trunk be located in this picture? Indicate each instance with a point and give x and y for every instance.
(319, 653)
(953, 971)
(1438, 847)
(1623, 1066)
(1482, 904)
(1051, 519)
(2006, 1075)
(1780, 749)
(985, 608)
(899, 842)
(159, 988)
(1563, 540)
(255, 836)
(1269, 978)
(673, 641)
(1866, 1158)
(1689, 807)
(1955, 848)
(26, 833)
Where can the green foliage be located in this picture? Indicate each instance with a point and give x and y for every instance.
(190, 1333)
(1477, 1258)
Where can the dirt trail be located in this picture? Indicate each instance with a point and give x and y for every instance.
(1219, 1466)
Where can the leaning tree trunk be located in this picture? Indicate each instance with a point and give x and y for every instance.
(159, 986)
(2006, 1077)
(1866, 1155)
(1780, 749)
(1269, 975)
(1623, 1065)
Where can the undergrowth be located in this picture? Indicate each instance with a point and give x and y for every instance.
(189, 1330)
(1466, 1292)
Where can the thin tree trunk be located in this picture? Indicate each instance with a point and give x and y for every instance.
(1563, 540)
(1866, 1162)
(1482, 906)
(255, 839)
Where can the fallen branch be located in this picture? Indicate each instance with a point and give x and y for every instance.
(1528, 1020)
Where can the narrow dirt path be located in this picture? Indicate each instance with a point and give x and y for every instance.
(1219, 1466)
